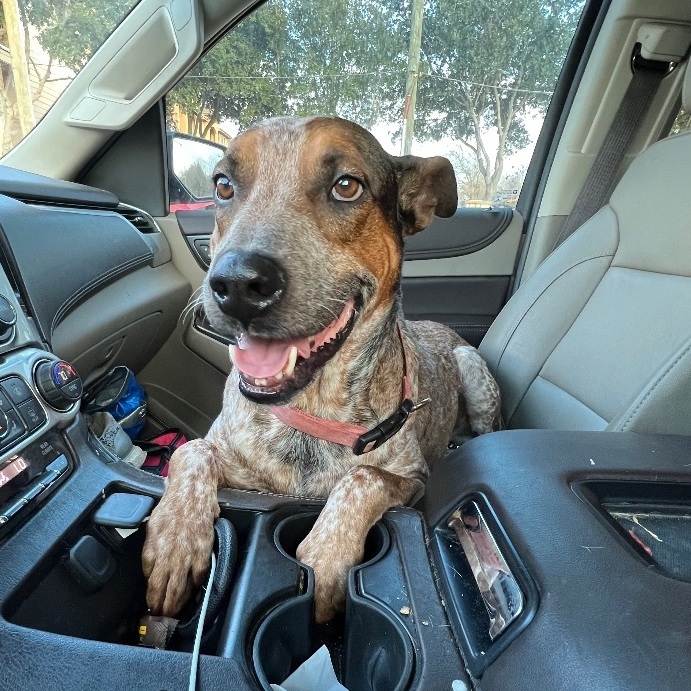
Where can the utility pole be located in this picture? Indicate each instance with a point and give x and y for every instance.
(20, 69)
(413, 74)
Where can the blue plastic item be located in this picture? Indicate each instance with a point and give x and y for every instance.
(119, 393)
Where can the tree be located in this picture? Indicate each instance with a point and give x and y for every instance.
(347, 58)
(71, 30)
(299, 57)
(471, 184)
(236, 80)
(486, 68)
(489, 67)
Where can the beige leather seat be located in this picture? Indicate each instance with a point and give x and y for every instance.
(599, 337)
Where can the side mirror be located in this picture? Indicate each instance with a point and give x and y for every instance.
(191, 160)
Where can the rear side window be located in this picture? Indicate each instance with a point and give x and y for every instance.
(682, 123)
(465, 79)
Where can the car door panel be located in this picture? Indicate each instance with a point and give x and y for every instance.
(458, 274)
(466, 232)
(466, 304)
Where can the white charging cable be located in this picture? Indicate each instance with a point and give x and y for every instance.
(200, 626)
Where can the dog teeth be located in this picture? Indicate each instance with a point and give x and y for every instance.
(260, 382)
(279, 376)
(292, 359)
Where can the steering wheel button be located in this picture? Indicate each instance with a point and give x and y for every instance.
(16, 389)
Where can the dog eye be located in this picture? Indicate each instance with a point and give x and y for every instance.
(224, 189)
(346, 189)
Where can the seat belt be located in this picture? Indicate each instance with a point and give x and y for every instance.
(647, 76)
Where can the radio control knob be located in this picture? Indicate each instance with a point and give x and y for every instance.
(58, 383)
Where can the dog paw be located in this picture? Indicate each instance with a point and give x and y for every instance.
(331, 564)
(176, 556)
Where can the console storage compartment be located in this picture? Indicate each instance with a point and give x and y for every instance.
(54, 600)
(602, 612)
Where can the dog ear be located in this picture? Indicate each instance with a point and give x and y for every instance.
(426, 188)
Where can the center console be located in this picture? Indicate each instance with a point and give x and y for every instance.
(519, 572)
(38, 393)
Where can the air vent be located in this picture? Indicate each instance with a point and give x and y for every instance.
(139, 219)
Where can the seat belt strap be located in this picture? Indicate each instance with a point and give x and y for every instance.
(647, 76)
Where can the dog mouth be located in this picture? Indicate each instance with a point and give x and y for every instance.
(273, 370)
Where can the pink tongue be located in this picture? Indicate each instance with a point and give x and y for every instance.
(261, 358)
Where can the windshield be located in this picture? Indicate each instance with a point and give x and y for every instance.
(43, 46)
(463, 79)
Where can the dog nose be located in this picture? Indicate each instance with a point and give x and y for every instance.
(245, 284)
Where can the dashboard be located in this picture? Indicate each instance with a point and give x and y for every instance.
(60, 245)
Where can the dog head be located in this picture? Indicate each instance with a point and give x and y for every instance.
(310, 219)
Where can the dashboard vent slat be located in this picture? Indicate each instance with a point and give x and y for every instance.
(139, 219)
(142, 221)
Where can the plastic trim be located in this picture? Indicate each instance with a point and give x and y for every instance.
(479, 656)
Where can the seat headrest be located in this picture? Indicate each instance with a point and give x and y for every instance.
(686, 89)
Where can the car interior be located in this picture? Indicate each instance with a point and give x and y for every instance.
(553, 554)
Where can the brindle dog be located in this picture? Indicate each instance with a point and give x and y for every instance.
(305, 280)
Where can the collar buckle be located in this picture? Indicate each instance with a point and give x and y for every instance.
(374, 438)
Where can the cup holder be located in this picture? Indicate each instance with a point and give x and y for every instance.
(291, 531)
(373, 651)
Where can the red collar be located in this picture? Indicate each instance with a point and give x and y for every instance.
(358, 438)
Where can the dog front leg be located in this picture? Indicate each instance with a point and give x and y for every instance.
(180, 534)
(336, 542)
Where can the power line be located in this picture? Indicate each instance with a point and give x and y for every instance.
(293, 78)
(490, 86)
(348, 75)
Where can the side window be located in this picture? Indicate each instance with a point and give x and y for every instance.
(465, 79)
(43, 45)
(682, 123)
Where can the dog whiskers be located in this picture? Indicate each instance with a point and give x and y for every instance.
(195, 301)
(189, 309)
(330, 311)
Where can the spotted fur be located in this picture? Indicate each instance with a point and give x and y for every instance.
(283, 169)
